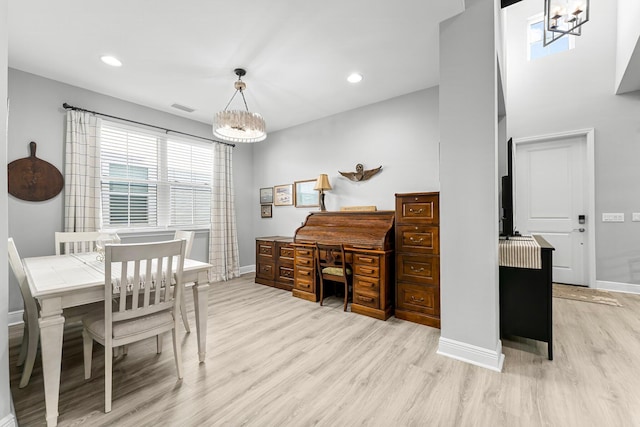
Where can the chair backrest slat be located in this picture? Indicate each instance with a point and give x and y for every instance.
(80, 241)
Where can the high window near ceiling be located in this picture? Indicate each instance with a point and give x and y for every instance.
(535, 35)
(153, 180)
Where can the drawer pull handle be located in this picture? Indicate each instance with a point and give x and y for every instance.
(365, 299)
(304, 285)
(303, 273)
(367, 270)
(416, 299)
(417, 270)
(369, 260)
(369, 284)
(419, 211)
(264, 250)
(414, 240)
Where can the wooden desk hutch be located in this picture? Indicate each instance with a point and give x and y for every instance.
(368, 241)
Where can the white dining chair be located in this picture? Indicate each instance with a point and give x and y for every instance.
(139, 277)
(31, 333)
(188, 236)
(81, 241)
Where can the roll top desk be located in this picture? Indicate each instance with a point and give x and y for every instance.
(368, 239)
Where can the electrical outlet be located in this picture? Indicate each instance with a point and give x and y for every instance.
(613, 217)
(635, 217)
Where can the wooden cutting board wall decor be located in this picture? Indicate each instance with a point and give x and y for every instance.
(34, 179)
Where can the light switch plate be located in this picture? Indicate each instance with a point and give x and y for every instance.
(612, 217)
(635, 217)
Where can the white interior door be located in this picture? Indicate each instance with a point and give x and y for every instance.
(550, 195)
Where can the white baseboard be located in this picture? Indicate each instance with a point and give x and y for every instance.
(629, 288)
(15, 318)
(248, 269)
(8, 421)
(469, 353)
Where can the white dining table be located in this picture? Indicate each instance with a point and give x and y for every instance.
(63, 281)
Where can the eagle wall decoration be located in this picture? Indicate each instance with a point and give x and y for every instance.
(360, 174)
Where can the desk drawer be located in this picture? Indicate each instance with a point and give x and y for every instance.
(304, 273)
(417, 208)
(370, 260)
(367, 300)
(265, 248)
(265, 270)
(365, 270)
(303, 284)
(304, 252)
(304, 262)
(417, 298)
(366, 284)
(418, 238)
(286, 252)
(285, 273)
(418, 268)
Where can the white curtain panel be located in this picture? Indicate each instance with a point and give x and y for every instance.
(223, 242)
(82, 210)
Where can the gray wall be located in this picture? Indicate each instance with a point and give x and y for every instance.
(6, 417)
(469, 197)
(401, 134)
(37, 115)
(575, 90)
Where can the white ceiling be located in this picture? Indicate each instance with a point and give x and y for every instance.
(297, 53)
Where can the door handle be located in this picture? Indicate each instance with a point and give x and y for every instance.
(582, 230)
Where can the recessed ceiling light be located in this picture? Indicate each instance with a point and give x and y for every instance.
(110, 60)
(354, 78)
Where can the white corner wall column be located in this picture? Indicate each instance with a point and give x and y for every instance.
(7, 417)
(469, 187)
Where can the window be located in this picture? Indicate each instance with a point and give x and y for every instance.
(535, 35)
(151, 179)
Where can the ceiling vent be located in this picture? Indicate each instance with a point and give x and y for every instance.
(183, 108)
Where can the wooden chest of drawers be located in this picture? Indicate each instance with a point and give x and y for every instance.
(274, 262)
(418, 258)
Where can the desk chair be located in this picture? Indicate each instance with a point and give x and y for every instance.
(188, 236)
(141, 312)
(31, 333)
(331, 266)
(76, 242)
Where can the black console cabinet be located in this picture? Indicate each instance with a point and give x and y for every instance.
(526, 300)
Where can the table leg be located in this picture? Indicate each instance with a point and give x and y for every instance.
(51, 330)
(201, 303)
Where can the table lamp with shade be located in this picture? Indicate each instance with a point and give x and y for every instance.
(322, 184)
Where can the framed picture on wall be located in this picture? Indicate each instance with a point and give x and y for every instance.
(266, 195)
(283, 195)
(306, 196)
(266, 211)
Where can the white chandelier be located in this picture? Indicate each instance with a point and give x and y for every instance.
(239, 125)
(564, 17)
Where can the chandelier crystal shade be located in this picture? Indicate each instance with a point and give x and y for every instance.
(564, 17)
(239, 125)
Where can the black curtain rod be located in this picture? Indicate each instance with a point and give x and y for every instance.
(71, 107)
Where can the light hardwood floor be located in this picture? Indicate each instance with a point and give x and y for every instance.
(275, 360)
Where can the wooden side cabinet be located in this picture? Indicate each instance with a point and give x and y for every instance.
(274, 262)
(418, 258)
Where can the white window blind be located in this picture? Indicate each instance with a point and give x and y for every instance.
(151, 179)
